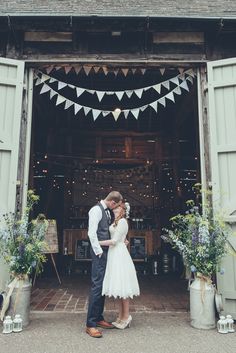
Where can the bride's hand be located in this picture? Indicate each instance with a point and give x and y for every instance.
(126, 242)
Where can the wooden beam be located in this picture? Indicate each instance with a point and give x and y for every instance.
(48, 36)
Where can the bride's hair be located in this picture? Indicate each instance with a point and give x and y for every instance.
(126, 208)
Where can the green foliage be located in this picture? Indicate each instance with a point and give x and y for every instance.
(22, 241)
(200, 237)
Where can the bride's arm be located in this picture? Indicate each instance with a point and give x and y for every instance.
(107, 242)
(120, 230)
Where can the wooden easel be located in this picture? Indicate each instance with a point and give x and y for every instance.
(55, 268)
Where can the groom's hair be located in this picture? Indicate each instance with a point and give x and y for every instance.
(114, 196)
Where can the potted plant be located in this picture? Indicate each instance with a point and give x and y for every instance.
(200, 236)
(22, 248)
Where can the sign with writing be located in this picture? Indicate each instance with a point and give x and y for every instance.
(82, 250)
(138, 247)
(51, 238)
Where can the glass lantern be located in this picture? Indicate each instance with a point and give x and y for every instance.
(222, 325)
(7, 325)
(17, 323)
(230, 323)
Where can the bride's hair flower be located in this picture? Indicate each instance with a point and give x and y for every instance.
(127, 209)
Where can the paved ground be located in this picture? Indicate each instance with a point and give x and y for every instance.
(50, 332)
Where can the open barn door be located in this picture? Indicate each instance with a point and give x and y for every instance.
(222, 114)
(11, 89)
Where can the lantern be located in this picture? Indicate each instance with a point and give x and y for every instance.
(7, 325)
(222, 325)
(17, 323)
(230, 323)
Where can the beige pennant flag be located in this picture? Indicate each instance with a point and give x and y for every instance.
(135, 113)
(38, 81)
(68, 104)
(77, 68)
(116, 71)
(105, 70)
(105, 113)
(49, 69)
(129, 93)
(86, 110)
(52, 93)
(139, 92)
(67, 69)
(181, 70)
(79, 91)
(126, 113)
(125, 72)
(175, 80)
(44, 77)
(52, 79)
(119, 94)
(60, 99)
(162, 101)
(57, 68)
(143, 71)
(154, 105)
(100, 95)
(95, 113)
(177, 90)
(157, 88)
(116, 114)
(61, 85)
(133, 71)
(45, 88)
(189, 78)
(143, 107)
(162, 70)
(170, 96)
(77, 108)
(166, 84)
(184, 85)
(87, 69)
(191, 73)
(96, 69)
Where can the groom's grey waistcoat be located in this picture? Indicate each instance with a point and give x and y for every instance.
(103, 225)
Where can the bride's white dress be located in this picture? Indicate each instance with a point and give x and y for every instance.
(120, 277)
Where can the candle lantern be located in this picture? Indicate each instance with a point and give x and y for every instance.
(230, 323)
(17, 323)
(7, 325)
(222, 325)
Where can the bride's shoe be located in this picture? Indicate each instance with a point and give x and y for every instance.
(124, 324)
(117, 322)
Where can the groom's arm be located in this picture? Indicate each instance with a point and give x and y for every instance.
(95, 216)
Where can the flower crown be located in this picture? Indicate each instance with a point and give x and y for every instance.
(127, 209)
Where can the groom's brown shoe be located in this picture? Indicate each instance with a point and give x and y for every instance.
(93, 332)
(104, 324)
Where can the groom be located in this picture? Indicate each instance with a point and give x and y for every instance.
(100, 217)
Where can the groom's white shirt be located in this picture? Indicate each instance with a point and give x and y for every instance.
(95, 216)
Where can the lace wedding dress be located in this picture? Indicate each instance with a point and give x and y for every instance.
(120, 278)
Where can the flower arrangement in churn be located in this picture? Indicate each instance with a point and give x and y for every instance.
(22, 242)
(200, 236)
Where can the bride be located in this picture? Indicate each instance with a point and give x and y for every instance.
(120, 279)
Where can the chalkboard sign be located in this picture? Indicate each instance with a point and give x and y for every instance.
(82, 250)
(138, 247)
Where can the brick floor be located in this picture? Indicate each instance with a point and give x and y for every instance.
(160, 293)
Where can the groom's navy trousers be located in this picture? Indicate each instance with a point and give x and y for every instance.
(96, 300)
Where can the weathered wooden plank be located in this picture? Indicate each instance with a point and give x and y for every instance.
(48, 36)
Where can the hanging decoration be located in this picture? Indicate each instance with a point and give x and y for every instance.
(180, 81)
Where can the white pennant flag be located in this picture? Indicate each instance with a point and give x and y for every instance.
(71, 86)
(143, 71)
(189, 78)
(45, 89)
(79, 91)
(86, 110)
(162, 71)
(135, 113)
(129, 93)
(133, 71)
(61, 85)
(191, 73)
(96, 69)
(105, 70)
(52, 93)
(177, 90)
(77, 108)
(67, 69)
(52, 79)
(181, 70)
(77, 69)
(100, 95)
(162, 101)
(44, 78)
(38, 81)
(57, 68)
(157, 88)
(119, 94)
(105, 113)
(87, 69)
(116, 114)
(184, 85)
(49, 69)
(139, 92)
(95, 113)
(166, 84)
(60, 99)
(125, 71)
(175, 80)
(126, 113)
(143, 108)
(171, 96)
(154, 105)
(116, 71)
(68, 104)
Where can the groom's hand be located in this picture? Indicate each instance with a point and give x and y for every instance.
(99, 255)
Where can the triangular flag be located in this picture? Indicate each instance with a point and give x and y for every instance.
(191, 73)
(95, 113)
(71, 86)
(105, 70)
(129, 93)
(57, 68)
(77, 69)
(184, 85)
(49, 69)
(52, 93)
(77, 108)
(38, 81)
(166, 84)
(44, 89)
(110, 93)
(87, 69)
(79, 91)
(175, 80)
(116, 114)
(61, 85)
(105, 113)
(125, 71)
(68, 104)
(119, 94)
(90, 91)
(157, 88)
(170, 96)
(177, 90)
(100, 95)
(116, 71)
(162, 101)
(162, 70)
(60, 99)
(154, 105)
(44, 78)
(96, 69)
(139, 92)
(126, 113)
(67, 69)
(143, 107)
(135, 113)
(189, 78)
(133, 71)
(143, 71)
(181, 70)
(86, 110)
(52, 79)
